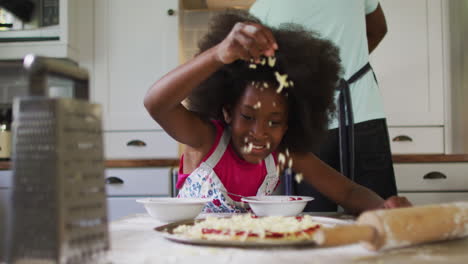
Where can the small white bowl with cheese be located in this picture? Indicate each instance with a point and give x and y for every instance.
(277, 205)
(171, 209)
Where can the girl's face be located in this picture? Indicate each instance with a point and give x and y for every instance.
(258, 122)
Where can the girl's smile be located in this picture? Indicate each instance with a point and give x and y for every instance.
(258, 122)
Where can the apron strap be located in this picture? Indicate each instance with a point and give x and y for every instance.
(346, 122)
(271, 179)
(219, 151)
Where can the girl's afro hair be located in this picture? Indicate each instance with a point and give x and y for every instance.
(312, 63)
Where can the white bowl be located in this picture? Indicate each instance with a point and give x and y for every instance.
(170, 209)
(279, 205)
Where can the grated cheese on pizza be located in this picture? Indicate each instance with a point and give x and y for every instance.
(248, 227)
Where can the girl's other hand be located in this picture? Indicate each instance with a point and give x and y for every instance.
(395, 202)
(246, 41)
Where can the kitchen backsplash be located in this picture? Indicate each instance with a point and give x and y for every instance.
(195, 26)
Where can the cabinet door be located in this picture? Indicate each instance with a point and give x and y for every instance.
(409, 62)
(64, 40)
(136, 43)
(125, 185)
(118, 207)
(6, 182)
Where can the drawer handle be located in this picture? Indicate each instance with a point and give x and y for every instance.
(434, 175)
(402, 138)
(136, 143)
(114, 180)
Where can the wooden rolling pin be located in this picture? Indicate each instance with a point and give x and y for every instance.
(393, 228)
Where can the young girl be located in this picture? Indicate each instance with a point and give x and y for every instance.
(257, 98)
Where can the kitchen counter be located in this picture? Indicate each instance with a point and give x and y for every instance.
(136, 163)
(133, 240)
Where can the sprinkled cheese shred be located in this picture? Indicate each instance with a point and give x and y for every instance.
(271, 61)
(281, 158)
(252, 66)
(298, 177)
(257, 105)
(282, 80)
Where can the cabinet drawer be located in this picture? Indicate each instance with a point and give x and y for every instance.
(140, 145)
(138, 182)
(118, 207)
(424, 198)
(416, 140)
(431, 176)
(6, 179)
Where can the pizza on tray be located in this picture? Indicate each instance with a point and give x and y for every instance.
(248, 227)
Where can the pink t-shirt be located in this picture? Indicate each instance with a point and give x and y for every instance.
(237, 175)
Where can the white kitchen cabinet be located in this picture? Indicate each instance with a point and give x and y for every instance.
(409, 62)
(425, 183)
(61, 41)
(125, 185)
(139, 145)
(136, 43)
(6, 182)
(417, 140)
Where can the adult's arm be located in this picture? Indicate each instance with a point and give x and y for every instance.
(376, 27)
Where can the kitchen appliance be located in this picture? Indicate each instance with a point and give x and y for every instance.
(5, 133)
(28, 16)
(42, 76)
(59, 212)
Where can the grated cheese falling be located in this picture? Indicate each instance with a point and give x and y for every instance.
(257, 105)
(281, 158)
(298, 177)
(252, 66)
(271, 61)
(282, 80)
(248, 148)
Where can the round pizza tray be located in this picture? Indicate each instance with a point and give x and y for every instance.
(167, 232)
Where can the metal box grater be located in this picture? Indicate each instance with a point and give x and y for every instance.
(59, 212)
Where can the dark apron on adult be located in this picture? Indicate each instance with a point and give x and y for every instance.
(346, 130)
(346, 122)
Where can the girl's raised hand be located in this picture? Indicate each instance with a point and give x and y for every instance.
(246, 41)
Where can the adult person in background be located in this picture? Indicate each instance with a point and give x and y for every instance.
(356, 27)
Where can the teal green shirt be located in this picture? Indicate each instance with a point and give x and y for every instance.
(342, 22)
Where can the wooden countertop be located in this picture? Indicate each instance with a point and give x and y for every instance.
(416, 158)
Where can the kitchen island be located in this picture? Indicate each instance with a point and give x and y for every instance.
(133, 240)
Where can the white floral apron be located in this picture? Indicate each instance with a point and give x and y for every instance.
(204, 183)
